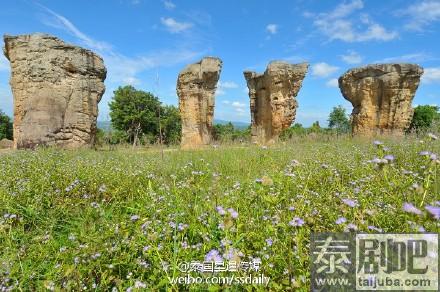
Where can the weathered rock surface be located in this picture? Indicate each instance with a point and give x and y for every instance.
(56, 88)
(5, 143)
(273, 99)
(381, 96)
(196, 87)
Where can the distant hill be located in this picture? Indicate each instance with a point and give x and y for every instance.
(106, 125)
(238, 125)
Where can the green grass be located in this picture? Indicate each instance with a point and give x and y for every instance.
(72, 226)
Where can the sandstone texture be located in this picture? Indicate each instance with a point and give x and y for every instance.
(273, 99)
(381, 96)
(196, 87)
(56, 88)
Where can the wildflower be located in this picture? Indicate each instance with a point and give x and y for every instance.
(291, 208)
(134, 218)
(259, 180)
(232, 254)
(350, 203)
(341, 220)
(94, 205)
(377, 143)
(424, 153)
(433, 156)
(390, 158)
(220, 210)
(435, 211)
(234, 214)
(96, 255)
(182, 226)
(139, 284)
(296, 222)
(146, 248)
(269, 241)
(408, 207)
(213, 256)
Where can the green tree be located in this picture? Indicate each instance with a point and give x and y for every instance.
(171, 124)
(423, 118)
(6, 128)
(315, 128)
(338, 120)
(136, 112)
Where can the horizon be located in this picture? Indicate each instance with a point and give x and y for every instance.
(155, 40)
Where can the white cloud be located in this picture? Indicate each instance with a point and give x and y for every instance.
(121, 68)
(339, 24)
(219, 92)
(272, 28)
(227, 85)
(431, 75)
(238, 104)
(226, 102)
(416, 57)
(421, 14)
(352, 58)
(323, 69)
(60, 22)
(174, 26)
(332, 83)
(169, 5)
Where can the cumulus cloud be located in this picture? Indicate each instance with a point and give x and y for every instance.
(323, 69)
(332, 83)
(343, 24)
(421, 14)
(431, 75)
(238, 104)
(174, 26)
(272, 28)
(352, 58)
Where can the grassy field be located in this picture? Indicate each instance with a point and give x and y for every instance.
(126, 220)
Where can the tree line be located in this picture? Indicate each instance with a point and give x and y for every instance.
(139, 117)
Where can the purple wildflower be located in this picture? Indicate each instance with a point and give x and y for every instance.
(371, 227)
(220, 210)
(213, 256)
(377, 143)
(296, 222)
(408, 207)
(435, 211)
(134, 218)
(291, 208)
(350, 227)
(269, 241)
(341, 220)
(350, 202)
(389, 157)
(424, 153)
(234, 214)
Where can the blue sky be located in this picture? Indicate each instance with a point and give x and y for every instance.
(146, 43)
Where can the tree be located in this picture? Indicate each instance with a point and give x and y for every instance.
(171, 124)
(423, 118)
(315, 128)
(6, 127)
(338, 120)
(136, 112)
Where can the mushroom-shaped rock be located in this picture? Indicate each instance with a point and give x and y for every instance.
(273, 99)
(196, 87)
(381, 96)
(56, 89)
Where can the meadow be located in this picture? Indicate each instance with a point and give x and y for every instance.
(125, 220)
